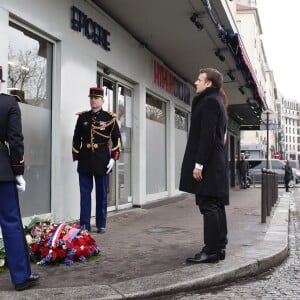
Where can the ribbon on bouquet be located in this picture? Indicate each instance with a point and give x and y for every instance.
(71, 234)
(55, 236)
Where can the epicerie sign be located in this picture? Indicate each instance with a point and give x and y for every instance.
(91, 30)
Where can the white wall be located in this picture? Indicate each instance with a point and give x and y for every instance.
(75, 67)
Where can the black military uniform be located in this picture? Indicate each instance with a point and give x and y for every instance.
(12, 165)
(96, 141)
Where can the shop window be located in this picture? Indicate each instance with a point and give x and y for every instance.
(181, 119)
(156, 179)
(30, 78)
(181, 134)
(29, 67)
(155, 109)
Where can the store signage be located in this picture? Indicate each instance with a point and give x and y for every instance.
(91, 30)
(169, 82)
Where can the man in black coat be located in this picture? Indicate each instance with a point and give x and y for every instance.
(94, 131)
(204, 167)
(243, 168)
(11, 180)
(288, 175)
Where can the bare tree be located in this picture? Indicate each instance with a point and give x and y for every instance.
(27, 72)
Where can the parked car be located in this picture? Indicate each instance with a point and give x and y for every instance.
(276, 165)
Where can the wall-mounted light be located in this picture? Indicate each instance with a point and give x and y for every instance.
(195, 19)
(231, 75)
(219, 55)
(252, 102)
(106, 70)
(241, 89)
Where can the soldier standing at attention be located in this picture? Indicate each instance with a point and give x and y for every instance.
(12, 181)
(93, 132)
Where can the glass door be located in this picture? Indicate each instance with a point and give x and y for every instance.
(109, 105)
(118, 99)
(124, 104)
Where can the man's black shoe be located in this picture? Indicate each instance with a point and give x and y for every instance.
(31, 281)
(222, 254)
(202, 257)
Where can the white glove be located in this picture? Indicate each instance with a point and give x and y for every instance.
(110, 165)
(21, 184)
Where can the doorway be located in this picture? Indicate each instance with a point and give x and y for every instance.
(118, 99)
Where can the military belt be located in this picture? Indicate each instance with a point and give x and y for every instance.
(94, 145)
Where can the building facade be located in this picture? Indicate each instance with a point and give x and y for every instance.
(247, 19)
(52, 52)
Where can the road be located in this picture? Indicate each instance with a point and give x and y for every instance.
(279, 283)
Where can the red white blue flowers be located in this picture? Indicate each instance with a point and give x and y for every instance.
(59, 243)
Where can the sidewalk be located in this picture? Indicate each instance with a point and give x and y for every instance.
(144, 252)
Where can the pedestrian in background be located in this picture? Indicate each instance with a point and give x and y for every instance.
(243, 168)
(288, 175)
(204, 168)
(94, 130)
(12, 180)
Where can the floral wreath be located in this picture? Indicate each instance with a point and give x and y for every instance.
(59, 243)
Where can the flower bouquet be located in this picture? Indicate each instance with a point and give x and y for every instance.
(2, 253)
(59, 243)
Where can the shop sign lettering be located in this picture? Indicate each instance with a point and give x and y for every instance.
(91, 30)
(166, 80)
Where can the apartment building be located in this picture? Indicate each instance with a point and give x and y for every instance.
(263, 141)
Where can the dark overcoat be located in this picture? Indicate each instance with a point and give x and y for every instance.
(206, 146)
(288, 173)
(11, 139)
(96, 139)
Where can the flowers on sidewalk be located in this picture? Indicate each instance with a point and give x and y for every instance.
(59, 243)
(2, 253)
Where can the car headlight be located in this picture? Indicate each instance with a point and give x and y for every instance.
(297, 173)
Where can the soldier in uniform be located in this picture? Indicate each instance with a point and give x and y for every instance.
(95, 130)
(11, 180)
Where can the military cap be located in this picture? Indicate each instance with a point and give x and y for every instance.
(96, 92)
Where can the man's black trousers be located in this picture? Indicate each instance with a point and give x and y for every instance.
(214, 223)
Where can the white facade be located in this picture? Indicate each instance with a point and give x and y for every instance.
(291, 128)
(76, 63)
(248, 22)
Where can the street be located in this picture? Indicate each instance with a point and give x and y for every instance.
(281, 282)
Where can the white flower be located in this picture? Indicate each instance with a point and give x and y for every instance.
(2, 262)
(29, 239)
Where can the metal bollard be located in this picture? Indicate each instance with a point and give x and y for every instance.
(263, 196)
(276, 187)
(269, 192)
(272, 189)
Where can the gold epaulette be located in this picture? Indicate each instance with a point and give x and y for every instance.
(81, 112)
(114, 115)
(18, 98)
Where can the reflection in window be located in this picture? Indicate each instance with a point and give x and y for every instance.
(29, 67)
(155, 109)
(181, 119)
(29, 77)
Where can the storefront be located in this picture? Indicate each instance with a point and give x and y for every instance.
(52, 52)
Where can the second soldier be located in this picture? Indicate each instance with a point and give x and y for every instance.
(94, 132)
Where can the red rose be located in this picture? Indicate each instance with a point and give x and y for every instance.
(54, 255)
(61, 253)
(35, 247)
(45, 252)
(85, 251)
